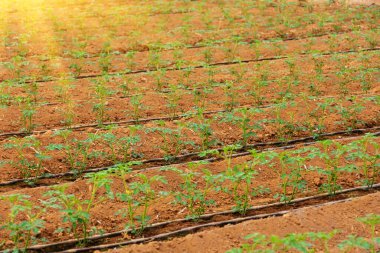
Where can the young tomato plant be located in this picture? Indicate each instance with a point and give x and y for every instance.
(105, 58)
(27, 165)
(203, 128)
(64, 90)
(353, 242)
(23, 222)
(185, 77)
(199, 93)
(159, 77)
(172, 139)
(225, 154)
(320, 114)
(76, 210)
(367, 152)
(257, 84)
(192, 196)
(173, 96)
(372, 220)
(324, 238)
(71, 155)
(242, 118)
(123, 171)
(318, 68)
(241, 187)
(292, 181)
(121, 148)
(231, 92)
(78, 153)
(138, 195)
(283, 126)
(332, 153)
(126, 85)
(155, 60)
(101, 95)
(28, 109)
(261, 243)
(137, 106)
(350, 114)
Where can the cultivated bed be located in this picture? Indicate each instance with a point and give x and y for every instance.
(126, 122)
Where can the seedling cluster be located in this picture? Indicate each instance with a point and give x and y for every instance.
(121, 115)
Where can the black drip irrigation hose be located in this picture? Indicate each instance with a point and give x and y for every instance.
(228, 63)
(277, 146)
(4, 136)
(122, 122)
(163, 91)
(187, 230)
(146, 48)
(248, 40)
(225, 63)
(166, 91)
(73, 242)
(203, 44)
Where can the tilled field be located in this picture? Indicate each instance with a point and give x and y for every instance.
(124, 122)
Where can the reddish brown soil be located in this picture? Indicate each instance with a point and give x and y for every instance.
(341, 216)
(155, 104)
(103, 214)
(47, 36)
(58, 23)
(194, 56)
(226, 134)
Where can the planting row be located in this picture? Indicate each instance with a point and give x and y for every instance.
(139, 199)
(312, 241)
(318, 70)
(63, 150)
(129, 122)
(235, 49)
(196, 27)
(339, 218)
(178, 93)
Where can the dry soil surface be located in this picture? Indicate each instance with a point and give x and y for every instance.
(341, 216)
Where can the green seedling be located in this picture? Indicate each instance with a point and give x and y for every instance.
(372, 220)
(203, 128)
(291, 174)
(101, 95)
(77, 152)
(173, 96)
(192, 196)
(28, 109)
(137, 106)
(122, 149)
(324, 238)
(172, 139)
(138, 196)
(354, 242)
(27, 164)
(76, 210)
(231, 94)
(331, 153)
(241, 186)
(243, 119)
(23, 223)
(105, 59)
(360, 151)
